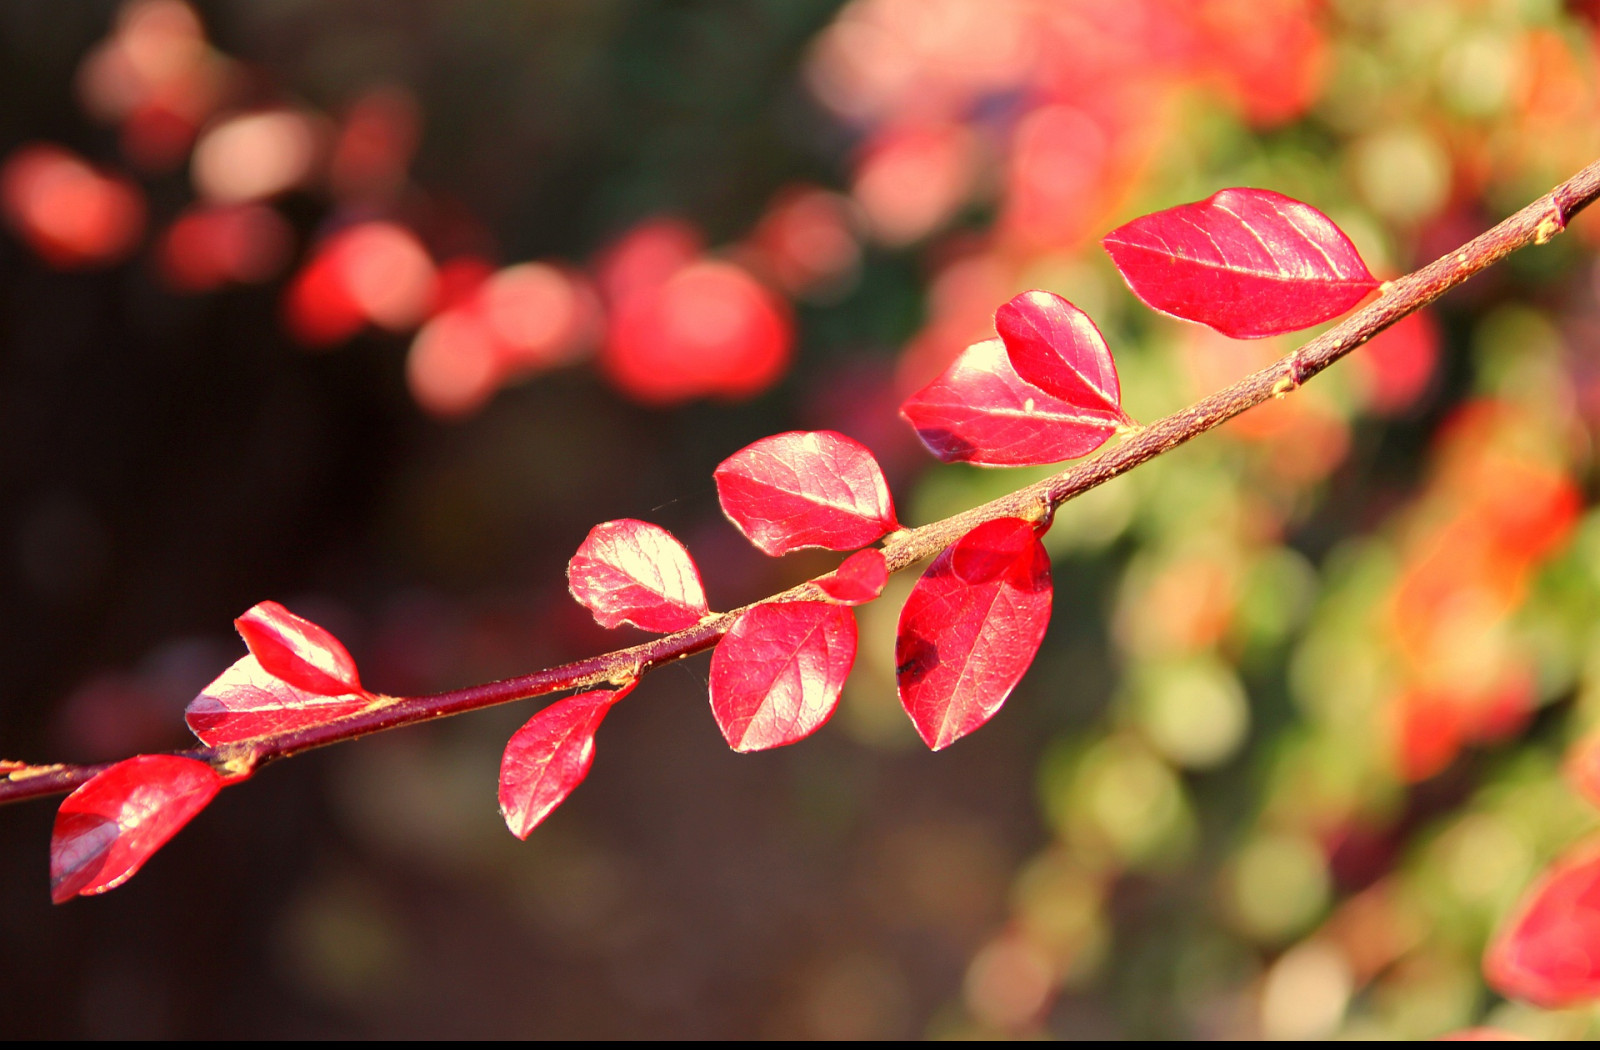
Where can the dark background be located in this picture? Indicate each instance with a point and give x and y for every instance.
(165, 462)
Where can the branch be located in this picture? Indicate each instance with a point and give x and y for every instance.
(1535, 224)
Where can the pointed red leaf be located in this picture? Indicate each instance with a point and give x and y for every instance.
(806, 489)
(296, 650)
(1246, 262)
(549, 756)
(1549, 951)
(971, 627)
(859, 579)
(1053, 345)
(981, 411)
(631, 571)
(776, 675)
(108, 828)
(245, 701)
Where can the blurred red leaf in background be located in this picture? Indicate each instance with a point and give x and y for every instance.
(1396, 365)
(708, 329)
(207, 247)
(1548, 952)
(71, 215)
(371, 273)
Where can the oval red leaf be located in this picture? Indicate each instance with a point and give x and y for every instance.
(296, 650)
(630, 571)
(108, 828)
(777, 674)
(549, 756)
(1549, 952)
(981, 411)
(806, 489)
(1053, 345)
(860, 578)
(245, 701)
(1246, 262)
(971, 627)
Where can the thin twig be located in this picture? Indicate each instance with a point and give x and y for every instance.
(1534, 224)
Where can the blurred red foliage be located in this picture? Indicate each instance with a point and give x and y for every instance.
(71, 215)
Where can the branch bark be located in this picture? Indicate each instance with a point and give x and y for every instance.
(1535, 224)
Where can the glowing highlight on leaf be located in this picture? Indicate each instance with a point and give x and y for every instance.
(246, 701)
(777, 674)
(296, 650)
(806, 489)
(630, 571)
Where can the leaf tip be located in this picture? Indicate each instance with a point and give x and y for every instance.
(517, 823)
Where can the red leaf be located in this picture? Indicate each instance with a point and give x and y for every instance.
(806, 489)
(1549, 952)
(859, 579)
(110, 826)
(1479, 1035)
(630, 571)
(970, 629)
(980, 411)
(1246, 262)
(1053, 345)
(776, 675)
(549, 756)
(245, 701)
(298, 651)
